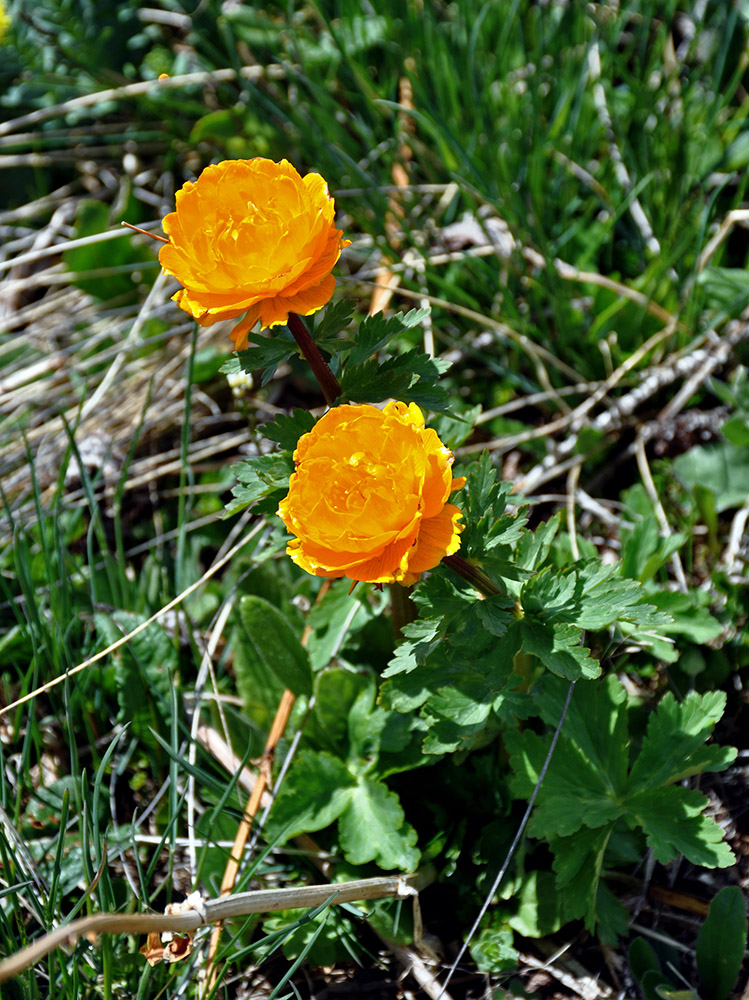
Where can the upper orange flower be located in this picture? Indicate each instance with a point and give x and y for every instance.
(252, 237)
(368, 498)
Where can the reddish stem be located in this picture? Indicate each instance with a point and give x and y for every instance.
(476, 577)
(329, 384)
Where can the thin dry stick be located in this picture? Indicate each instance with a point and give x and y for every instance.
(599, 100)
(737, 215)
(573, 478)
(139, 628)
(715, 355)
(254, 802)
(126, 346)
(574, 417)
(652, 381)
(647, 481)
(136, 89)
(535, 351)
(207, 911)
(56, 248)
(243, 831)
(386, 281)
(588, 989)
(735, 538)
(566, 271)
(222, 752)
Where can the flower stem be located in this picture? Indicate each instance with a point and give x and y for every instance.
(473, 574)
(402, 607)
(329, 384)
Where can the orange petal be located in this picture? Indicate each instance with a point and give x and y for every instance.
(438, 537)
(276, 310)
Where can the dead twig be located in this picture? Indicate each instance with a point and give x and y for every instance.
(200, 912)
(619, 411)
(264, 780)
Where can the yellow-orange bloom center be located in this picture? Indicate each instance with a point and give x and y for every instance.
(368, 499)
(252, 239)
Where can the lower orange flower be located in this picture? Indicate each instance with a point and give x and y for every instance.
(368, 500)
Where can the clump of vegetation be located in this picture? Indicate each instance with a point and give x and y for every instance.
(546, 207)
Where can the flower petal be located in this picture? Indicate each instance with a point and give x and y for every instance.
(254, 237)
(439, 536)
(368, 498)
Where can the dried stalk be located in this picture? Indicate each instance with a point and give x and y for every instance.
(264, 780)
(209, 911)
(4, 710)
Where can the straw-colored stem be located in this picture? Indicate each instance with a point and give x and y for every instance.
(190, 915)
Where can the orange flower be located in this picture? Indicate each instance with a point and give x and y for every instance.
(368, 498)
(252, 238)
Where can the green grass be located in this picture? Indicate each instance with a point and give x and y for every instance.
(611, 140)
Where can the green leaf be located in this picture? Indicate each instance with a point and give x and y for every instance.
(258, 684)
(590, 597)
(673, 748)
(665, 993)
(482, 490)
(721, 942)
(596, 721)
(275, 643)
(373, 828)
(333, 321)
(260, 478)
(736, 430)
(421, 638)
(286, 429)
(612, 918)
(144, 672)
(457, 713)
(365, 725)
(578, 863)
(726, 288)
(495, 613)
(266, 352)
(539, 906)
(685, 617)
(411, 377)
(654, 983)
(736, 157)
(558, 648)
(574, 793)
(443, 604)
(493, 950)
(338, 615)
(722, 468)
(587, 790)
(552, 596)
(375, 332)
(534, 546)
(317, 789)
(607, 598)
(488, 529)
(454, 428)
(673, 823)
(642, 958)
(92, 218)
(336, 690)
